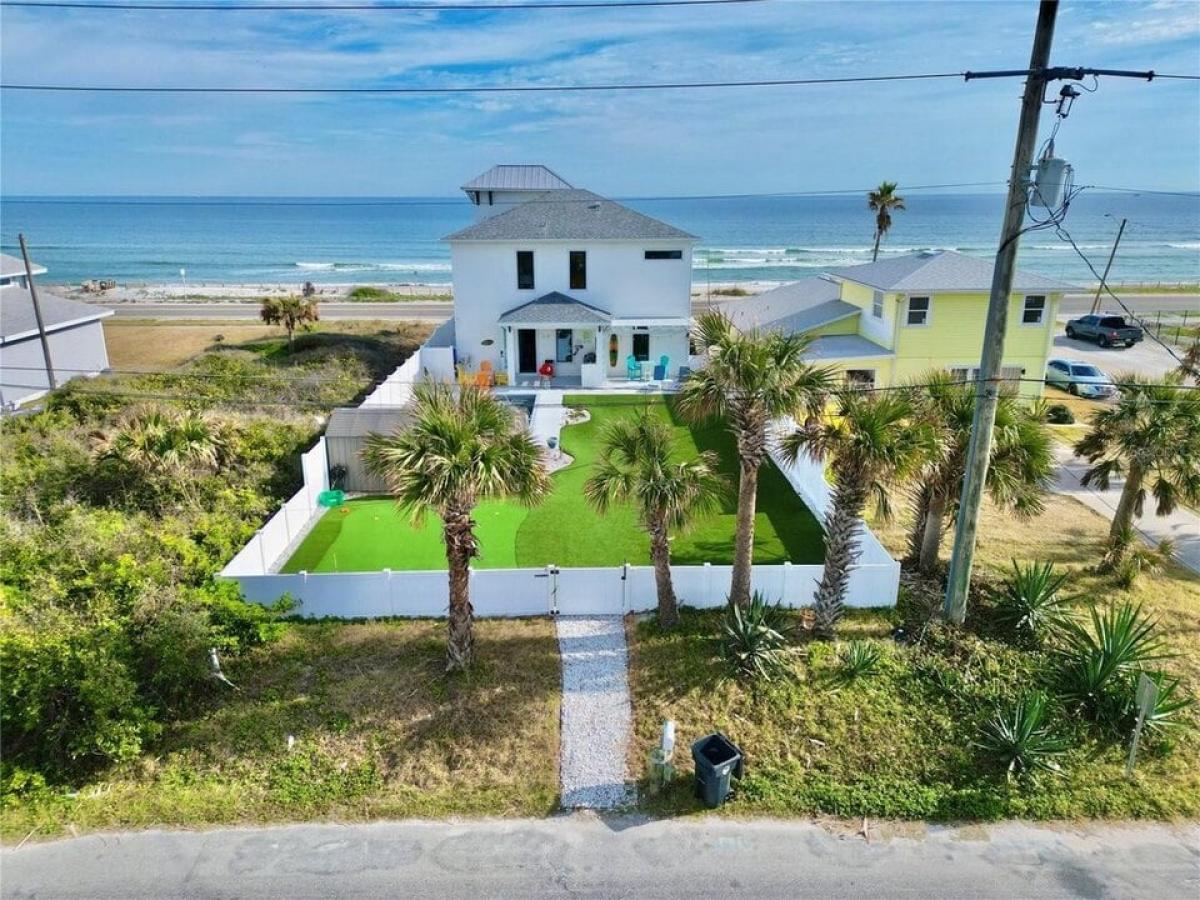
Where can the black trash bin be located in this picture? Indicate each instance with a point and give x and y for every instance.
(717, 760)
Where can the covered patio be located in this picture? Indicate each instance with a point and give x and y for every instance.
(584, 346)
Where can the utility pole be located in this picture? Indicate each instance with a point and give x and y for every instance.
(1111, 257)
(37, 313)
(987, 389)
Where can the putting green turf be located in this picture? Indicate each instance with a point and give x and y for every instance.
(371, 534)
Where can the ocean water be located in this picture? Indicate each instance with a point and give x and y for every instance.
(391, 240)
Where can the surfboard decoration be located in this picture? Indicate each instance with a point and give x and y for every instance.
(612, 351)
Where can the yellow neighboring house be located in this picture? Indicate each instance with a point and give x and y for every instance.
(888, 322)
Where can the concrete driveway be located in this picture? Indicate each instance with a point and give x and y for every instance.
(584, 856)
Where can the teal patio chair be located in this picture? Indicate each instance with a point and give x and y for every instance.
(633, 368)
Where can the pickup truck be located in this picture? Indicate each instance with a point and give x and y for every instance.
(1106, 330)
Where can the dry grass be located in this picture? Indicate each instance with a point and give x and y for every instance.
(165, 344)
(379, 732)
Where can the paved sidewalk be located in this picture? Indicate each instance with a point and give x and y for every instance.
(1182, 526)
(585, 856)
(596, 713)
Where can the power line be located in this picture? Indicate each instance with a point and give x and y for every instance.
(481, 89)
(366, 7)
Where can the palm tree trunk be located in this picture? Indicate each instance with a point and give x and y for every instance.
(931, 540)
(660, 554)
(460, 548)
(920, 504)
(1123, 518)
(743, 549)
(842, 528)
(875, 252)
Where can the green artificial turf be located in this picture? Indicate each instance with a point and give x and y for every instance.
(371, 534)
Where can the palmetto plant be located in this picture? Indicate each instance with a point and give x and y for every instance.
(1031, 602)
(1019, 470)
(883, 201)
(858, 659)
(1095, 663)
(749, 380)
(161, 441)
(873, 441)
(461, 447)
(1128, 558)
(638, 465)
(291, 312)
(1152, 437)
(1020, 740)
(753, 639)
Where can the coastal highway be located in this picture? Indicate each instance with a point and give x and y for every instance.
(437, 311)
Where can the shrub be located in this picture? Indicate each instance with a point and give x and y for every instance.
(1030, 601)
(1096, 665)
(1059, 414)
(1128, 558)
(858, 659)
(753, 640)
(1020, 740)
(1169, 702)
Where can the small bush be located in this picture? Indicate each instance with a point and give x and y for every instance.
(1020, 740)
(369, 292)
(858, 659)
(1030, 601)
(753, 641)
(1059, 414)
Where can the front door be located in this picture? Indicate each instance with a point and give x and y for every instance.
(526, 351)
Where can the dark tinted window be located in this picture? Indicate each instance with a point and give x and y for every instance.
(1112, 322)
(525, 270)
(664, 254)
(578, 263)
(641, 346)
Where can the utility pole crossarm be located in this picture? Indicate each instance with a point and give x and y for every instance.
(1059, 73)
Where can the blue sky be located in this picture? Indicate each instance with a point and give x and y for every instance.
(1128, 133)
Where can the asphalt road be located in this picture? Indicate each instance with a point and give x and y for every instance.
(1078, 304)
(582, 856)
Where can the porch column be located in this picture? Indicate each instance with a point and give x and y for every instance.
(510, 353)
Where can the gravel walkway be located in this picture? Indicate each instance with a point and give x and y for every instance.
(596, 713)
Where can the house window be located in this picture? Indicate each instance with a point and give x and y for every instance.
(525, 270)
(641, 346)
(963, 373)
(664, 254)
(1034, 312)
(877, 304)
(564, 340)
(1010, 376)
(918, 311)
(860, 379)
(578, 266)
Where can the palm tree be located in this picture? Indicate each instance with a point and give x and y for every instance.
(882, 201)
(637, 465)
(159, 441)
(1019, 469)
(461, 446)
(874, 440)
(290, 312)
(1152, 437)
(750, 379)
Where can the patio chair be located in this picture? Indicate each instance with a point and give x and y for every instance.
(660, 371)
(485, 368)
(483, 379)
(633, 368)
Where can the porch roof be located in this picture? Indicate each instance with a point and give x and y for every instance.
(555, 309)
(654, 322)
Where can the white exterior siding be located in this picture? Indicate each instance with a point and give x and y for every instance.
(620, 280)
(74, 351)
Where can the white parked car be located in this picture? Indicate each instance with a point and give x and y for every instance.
(1079, 378)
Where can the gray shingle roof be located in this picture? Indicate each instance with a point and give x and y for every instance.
(569, 215)
(939, 270)
(555, 308)
(799, 306)
(16, 312)
(516, 178)
(12, 265)
(845, 346)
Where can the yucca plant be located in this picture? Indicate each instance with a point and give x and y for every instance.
(753, 639)
(1020, 739)
(1168, 703)
(1031, 603)
(858, 659)
(1095, 663)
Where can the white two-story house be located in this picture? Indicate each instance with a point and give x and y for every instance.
(550, 272)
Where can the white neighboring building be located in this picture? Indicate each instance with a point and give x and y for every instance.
(73, 330)
(565, 275)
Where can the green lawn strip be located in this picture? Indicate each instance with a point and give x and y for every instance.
(370, 534)
(897, 744)
(379, 732)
